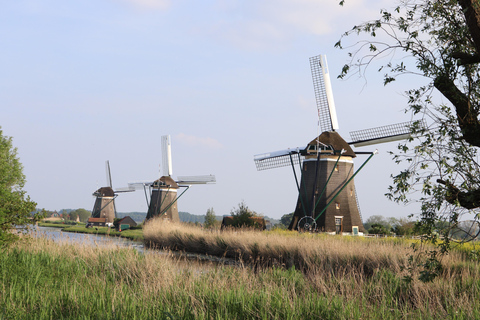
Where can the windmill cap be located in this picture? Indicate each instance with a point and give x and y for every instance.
(332, 138)
(104, 192)
(165, 181)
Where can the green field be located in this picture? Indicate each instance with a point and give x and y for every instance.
(135, 234)
(338, 278)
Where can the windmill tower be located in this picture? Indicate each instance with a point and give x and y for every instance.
(164, 192)
(104, 206)
(327, 200)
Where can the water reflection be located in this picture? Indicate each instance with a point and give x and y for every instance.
(57, 235)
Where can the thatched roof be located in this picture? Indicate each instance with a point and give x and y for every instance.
(104, 192)
(166, 181)
(332, 138)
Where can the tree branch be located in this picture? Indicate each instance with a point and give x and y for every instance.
(467, 200)
(467, 117)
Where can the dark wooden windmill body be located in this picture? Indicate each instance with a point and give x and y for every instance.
(104, 206)
(165, 192)
(327, 199)
(322, 178)
(104, 211)
(163, 200)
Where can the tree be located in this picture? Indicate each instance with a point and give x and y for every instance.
(404, 227)
(378, 228)
(210, 219)
(81, 213)
(443, 41)
(440, 41)
(286, 219)
(387, 223)
(242, 216)
(15, 206)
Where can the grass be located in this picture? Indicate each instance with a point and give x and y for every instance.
(132, 234)
(338, 278)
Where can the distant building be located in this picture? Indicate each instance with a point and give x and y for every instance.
(97, 222)
(125, 223)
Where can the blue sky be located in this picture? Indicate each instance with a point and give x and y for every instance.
(83, 82)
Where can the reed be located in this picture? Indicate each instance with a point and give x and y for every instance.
(40, 279)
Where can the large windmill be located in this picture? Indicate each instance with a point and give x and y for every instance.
(104, 207)
(164, 192)
(327, 199)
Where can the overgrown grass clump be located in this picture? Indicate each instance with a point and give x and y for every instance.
(40, 279)
(133, 234)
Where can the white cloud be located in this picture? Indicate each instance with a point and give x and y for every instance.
(151, 4)
(198, 141)
(273, 24)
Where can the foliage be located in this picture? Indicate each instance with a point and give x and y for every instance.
(82, 214)
(378, 228)
(242, 216)
(15, 206)
(210, 219)
(387, 223)
(402, 226)
(440, 41)
(286, 219)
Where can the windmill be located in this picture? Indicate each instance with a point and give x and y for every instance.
(104, 207)
(164, 192)
(327, 199)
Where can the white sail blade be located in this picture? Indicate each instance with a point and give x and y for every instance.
(327, 114)
(277, 159)
(109, 176)
(383, 134)
(187, 180)
(166, 156)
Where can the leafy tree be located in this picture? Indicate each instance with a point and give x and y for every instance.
(378, 228)
(381, 220)
(242, 216)
(81, 213)
(404, 227)
(286, 219)
(210, 219)
(440, 41)
(15, 206)
(72, 215)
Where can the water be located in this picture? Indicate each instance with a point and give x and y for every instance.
(57, 235)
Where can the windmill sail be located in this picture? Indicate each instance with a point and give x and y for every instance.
(277, 159)
(187, 180)
(327, 115)
(109, 175)
(167, 156)
(383, 134)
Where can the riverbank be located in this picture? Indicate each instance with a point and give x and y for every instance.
(42, 279)
(132, 234)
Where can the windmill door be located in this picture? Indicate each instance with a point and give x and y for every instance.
(338, 225)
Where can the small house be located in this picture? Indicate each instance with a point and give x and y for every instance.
(125, 223)
(97, 222)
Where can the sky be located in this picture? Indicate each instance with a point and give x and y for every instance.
(83, 82)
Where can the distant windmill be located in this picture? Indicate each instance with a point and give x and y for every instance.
(327, 199)
(164, 191)
(104, 207)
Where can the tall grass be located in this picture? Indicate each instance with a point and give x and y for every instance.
(40, 279)
(350, 267)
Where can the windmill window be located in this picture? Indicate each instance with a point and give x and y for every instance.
(337, 206)
(336, 168)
